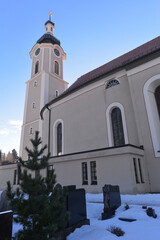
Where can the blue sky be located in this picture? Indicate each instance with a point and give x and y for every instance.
(92, 32)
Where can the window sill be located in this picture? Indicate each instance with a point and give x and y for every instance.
(94, 183)
(85, 183)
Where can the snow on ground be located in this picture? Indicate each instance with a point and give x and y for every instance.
(145, 228)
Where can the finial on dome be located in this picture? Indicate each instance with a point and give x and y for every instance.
(49, 25)
(50, 14)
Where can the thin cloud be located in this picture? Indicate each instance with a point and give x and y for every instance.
(16, 123)
(4, 132)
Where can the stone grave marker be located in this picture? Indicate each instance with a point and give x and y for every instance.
(4, 203)
(6, 225)
(76, 205)
(111, 199)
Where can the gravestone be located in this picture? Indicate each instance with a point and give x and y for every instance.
(111, 199)
(6, 225)
(76, 205)
(4, 202)
(59, 188)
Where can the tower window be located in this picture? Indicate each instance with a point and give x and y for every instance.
(56, 67)
(117, 127)
(36, 67)
(59, 139)
(56, 93)
(93, 173)
(31, 131)
(33, 105)
(35, 84)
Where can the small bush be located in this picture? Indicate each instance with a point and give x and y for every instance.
(126, 206)
(116, 230)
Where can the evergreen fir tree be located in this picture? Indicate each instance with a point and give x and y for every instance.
(9, 157)
(14, 154)
(36, 202)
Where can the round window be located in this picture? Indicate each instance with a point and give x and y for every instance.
(56, 52)
(37, 51)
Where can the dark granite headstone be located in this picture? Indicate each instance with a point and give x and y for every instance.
(6, 225)
(76, 205)
(111, 199)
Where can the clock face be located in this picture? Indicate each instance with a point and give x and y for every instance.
(56, 52)
(37, 51)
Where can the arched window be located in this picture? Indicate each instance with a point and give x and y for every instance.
(151, 92)
(117, 127)
(157, 97)
(59, 139)
(36, 67)
(56, 67)
(111, 83)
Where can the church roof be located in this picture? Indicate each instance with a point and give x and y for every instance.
(48, 38)
(134, 55)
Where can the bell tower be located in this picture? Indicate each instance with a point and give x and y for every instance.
(45, 84)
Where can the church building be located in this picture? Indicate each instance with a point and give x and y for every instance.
(104, 128)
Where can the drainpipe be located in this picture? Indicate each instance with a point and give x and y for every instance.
(49, 128)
